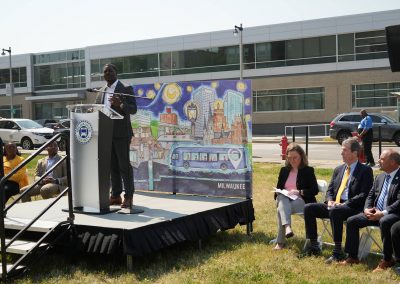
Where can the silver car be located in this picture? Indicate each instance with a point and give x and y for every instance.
(344, 124)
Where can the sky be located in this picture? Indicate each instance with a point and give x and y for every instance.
(33, 26)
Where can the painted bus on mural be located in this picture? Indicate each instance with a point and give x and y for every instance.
(210, 158)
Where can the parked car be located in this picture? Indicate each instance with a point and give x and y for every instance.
(24, 132)
(50, 123)
(63, 127)
(344, 124)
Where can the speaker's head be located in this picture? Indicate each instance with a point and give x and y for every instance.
(393, 44)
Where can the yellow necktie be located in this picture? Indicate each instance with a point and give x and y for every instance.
(343, 184)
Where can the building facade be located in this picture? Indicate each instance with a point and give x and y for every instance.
(302, 72)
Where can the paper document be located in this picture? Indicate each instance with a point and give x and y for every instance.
(285, 193)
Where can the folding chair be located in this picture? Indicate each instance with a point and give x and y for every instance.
(366, 241)
(322, 188)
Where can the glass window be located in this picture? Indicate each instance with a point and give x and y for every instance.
(294, 49)
(5, 111)
(346, 47)
(18, 77)
(311, 47)
(289, 99)
(52, 110)
(59, 56)
(328, 45)
(375, 95)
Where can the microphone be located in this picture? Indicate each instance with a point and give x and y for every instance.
(118, 94)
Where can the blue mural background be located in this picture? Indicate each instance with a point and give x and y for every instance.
(193, 137)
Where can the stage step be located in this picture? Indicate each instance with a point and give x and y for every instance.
(38, 226)
(21, 246)
(9, 267)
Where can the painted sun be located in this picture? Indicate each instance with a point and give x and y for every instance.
(172, 93)
(241, 86)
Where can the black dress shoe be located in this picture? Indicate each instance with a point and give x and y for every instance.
(310, 252)
(335, 258)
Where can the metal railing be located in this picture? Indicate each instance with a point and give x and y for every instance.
(308, 128)
(4, 209)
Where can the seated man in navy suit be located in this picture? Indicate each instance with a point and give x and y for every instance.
(382, 209)
(345, 197)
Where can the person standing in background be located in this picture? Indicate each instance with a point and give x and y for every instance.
(366, 134)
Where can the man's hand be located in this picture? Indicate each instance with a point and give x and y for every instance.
(373, 214)
(115, 100)
(331, 203)
(294, 192)
(47, 180)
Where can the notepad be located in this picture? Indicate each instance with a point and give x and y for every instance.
(285, 192)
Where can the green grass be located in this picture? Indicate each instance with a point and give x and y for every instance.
(227, 257)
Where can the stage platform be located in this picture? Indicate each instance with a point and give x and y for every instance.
(167, 220)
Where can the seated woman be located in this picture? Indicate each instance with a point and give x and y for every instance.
(300, 182)
(11, 159)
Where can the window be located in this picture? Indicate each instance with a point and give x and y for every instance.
(5, 111)
(375, 95)
(370, 45)
(289, 99)
(53, 110)
(60, 76)
(55, 57)
(18, 77)
(128, 67)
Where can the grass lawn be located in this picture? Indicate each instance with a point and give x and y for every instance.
(227, 257)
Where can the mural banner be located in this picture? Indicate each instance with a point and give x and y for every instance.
(193, 138)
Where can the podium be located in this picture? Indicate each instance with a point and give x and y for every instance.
(90, 155)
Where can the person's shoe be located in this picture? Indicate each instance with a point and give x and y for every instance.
(115, 200)
(334, 258)
(383, 265)
(397, 270)
(288, 232)
(127, 203)
(310, 252)
(349, 261)
(279, 246)
(289, 235)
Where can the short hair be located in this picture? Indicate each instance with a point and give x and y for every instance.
(353, 144)
(112, 66)
(394, 156)
(10, 143)
(296, 147)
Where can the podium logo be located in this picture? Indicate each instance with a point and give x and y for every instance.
(83, 132)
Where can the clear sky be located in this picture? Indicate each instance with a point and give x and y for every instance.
(31, 26)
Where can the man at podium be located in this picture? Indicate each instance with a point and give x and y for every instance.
(125, 105)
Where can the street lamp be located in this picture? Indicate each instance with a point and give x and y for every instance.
(11, 82)
(235, 32)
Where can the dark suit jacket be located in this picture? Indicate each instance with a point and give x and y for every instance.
(393, 199)
(359, 185)
(306, 181)
(122, 127)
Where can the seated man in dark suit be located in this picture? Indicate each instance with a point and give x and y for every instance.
(382, 209)
(345, 197)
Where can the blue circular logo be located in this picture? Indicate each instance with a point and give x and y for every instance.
(83, 132)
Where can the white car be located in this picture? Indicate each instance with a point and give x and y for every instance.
(24, 132)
